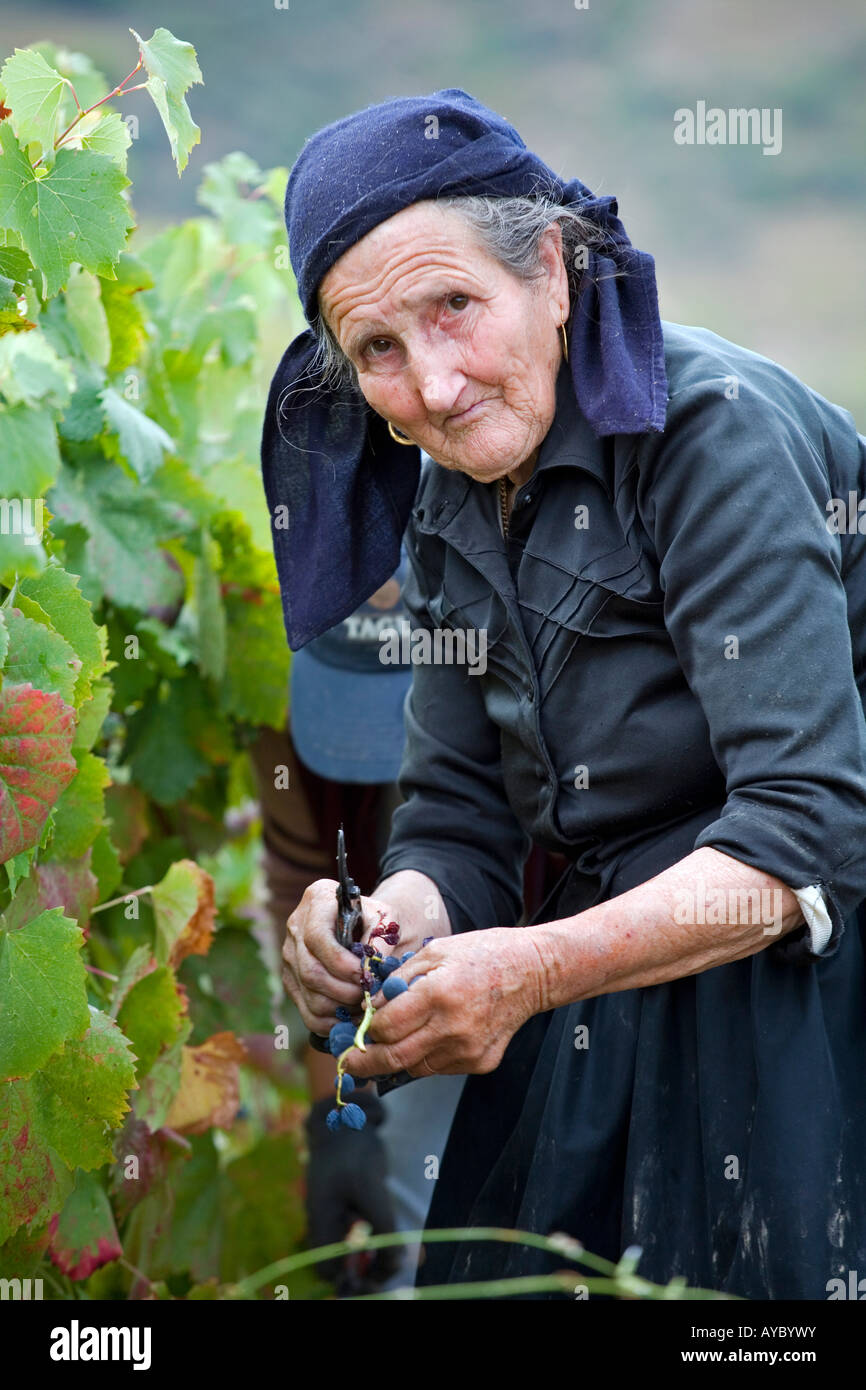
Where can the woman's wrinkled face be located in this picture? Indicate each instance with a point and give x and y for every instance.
(451, 347)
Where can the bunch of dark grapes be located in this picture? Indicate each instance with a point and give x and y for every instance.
(375, 978)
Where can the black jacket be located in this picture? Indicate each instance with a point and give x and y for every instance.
(687, 669)
(680, 650)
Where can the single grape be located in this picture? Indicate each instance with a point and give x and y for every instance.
(343, 1014)
(389, 964)
(394, 986)
(348, 1084)
(333, 1121)
(403, 960)
(427, 940)
(357, 950)
(352, 1116)
(341, 1036)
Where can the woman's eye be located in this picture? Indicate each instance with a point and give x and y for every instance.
(458, 302)
(377, 347)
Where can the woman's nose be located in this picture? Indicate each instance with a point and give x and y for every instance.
(439, 384)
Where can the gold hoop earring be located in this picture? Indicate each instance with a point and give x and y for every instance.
(400, 438)
(564, 339)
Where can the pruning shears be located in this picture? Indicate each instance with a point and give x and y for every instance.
(348, 929)
(349, 922)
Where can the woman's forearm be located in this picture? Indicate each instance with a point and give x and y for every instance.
(417, 905)
(704, 911)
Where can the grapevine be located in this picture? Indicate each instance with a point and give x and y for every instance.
(141, 650)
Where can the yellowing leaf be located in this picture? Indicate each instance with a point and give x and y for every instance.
(183, 904)
(209, 1089)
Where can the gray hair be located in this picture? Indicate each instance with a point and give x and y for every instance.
(510, 230)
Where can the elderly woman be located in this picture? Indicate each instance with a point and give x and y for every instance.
(643, 520)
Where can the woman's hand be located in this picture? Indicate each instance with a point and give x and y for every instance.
(468, 997)
(319, 973)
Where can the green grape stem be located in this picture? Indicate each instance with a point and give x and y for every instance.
(358, 1041)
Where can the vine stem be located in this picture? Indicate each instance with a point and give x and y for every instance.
(94, 970)
(117, 91)
(115, 902)
(139, 1274)
(482, 1233)
(493, 1288)
(618, 1279)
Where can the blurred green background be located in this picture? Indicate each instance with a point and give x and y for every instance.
(766, 250)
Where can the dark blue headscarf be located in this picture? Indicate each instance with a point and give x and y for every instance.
(339, 489)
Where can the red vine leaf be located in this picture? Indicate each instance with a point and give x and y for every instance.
(69, 884)
(36, 732)
(83, 1235)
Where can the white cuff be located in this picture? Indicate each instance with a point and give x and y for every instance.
(814, 908)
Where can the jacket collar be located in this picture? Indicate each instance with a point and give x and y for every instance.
(569, 443)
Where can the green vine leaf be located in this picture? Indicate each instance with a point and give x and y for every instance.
(140, 441)
(62, 1118)
(172, 70)
(76, 212)
(79, 812)
(83, 1093)
(104, 132)
(29, 456)
(40, 657)
(58, 595)
(86, 314)
(35, 92)
(32, 373)
(43, 996)
(122, 556)
(153, 1015)
(15, 264)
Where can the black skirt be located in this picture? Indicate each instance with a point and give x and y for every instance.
(717, 1121)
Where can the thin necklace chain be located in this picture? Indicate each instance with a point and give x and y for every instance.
(503, 505)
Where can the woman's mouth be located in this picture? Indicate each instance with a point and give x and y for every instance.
(468, 414)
